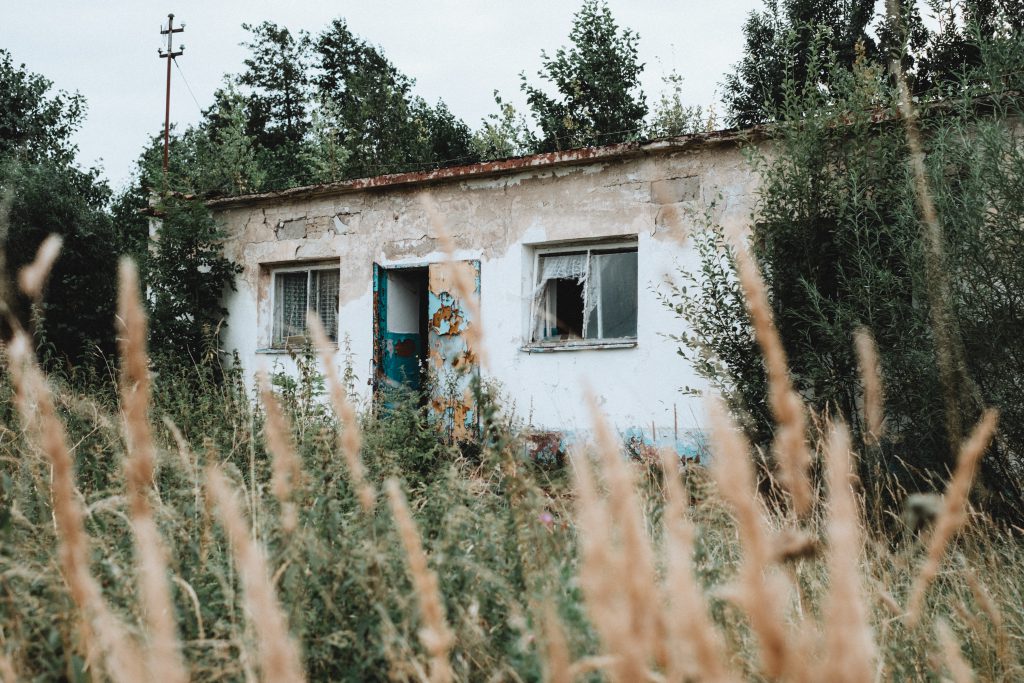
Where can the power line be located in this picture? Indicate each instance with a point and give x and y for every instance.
(189, 87)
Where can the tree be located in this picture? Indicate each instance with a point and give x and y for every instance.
(277, 85)
(956, 47)
(839, 241)
(371, 98)
(46, 193)
(792, 43)
(187, 275)
(445, 140)
(504, 134)
(35, 123)
(227, 158)
(795, 42)
(598, 98)
(671, 117)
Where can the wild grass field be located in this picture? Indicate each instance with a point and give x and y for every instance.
(175, 528)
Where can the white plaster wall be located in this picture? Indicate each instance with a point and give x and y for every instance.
(499, 220)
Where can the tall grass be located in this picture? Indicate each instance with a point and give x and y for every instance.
(240, 541)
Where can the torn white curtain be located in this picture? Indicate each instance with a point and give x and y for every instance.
(561, 267)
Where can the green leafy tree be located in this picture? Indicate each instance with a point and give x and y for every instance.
(503, 134)
(184, 268)
(276, 79)
(371, 99)
(957, 46)
(839, 241)
(48, 197)
(45, 192)
(794, 42)
(35, 122)
(326, 155)
(380, 124)
(597, 82)
(187, 275)
(791, 43)
(226, 158)
(671, 117)
(445, 139)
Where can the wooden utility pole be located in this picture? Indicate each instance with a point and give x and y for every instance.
(169, 55)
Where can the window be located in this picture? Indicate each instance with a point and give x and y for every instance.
(587, 294)
(297, 290)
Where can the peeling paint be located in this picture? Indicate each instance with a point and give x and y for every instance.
(495, 213)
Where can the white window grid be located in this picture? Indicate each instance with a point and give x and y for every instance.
(277, 338)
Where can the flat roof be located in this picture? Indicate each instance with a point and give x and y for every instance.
(584, 155)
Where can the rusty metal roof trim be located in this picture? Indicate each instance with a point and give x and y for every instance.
(584, 155)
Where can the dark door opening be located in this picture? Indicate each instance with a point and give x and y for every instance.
(401, 326)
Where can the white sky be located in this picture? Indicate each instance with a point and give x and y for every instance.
(457, 50)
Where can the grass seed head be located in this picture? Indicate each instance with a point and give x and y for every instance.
(349, 438)
(276, 650)
(954, 510)
(790, 448)
(286, 470)
(435, 635)
(32, 278)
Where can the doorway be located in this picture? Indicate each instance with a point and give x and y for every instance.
(401, 326)
(420, 341)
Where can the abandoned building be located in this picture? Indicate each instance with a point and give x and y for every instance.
(566, 254)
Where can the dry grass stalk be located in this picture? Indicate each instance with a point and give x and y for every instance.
(638, 579)
(688, 619)
(285, 468)
(951, 652)
(850, 650)
(888, 601)
(7, 674)
(757, 596)
(463, 278)
(790, 447)
(33, 277)
(189, 461)
(349, 438)
(602, 572)
(278, 655)
(435, 635)
(103, 634)
(949, 349)
(557, 660)
(871, 376)
(988, 605)
(954, 510)
(163, 657)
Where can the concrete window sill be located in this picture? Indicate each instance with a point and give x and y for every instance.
(276, 351)
(578, 345)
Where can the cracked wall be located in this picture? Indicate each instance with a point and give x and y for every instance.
(659, 198)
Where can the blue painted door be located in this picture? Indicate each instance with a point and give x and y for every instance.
(453, 363)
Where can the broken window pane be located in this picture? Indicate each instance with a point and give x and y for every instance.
(589, 294)
(568, 308)
(559, 295)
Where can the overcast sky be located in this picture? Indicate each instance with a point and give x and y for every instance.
(457, 50)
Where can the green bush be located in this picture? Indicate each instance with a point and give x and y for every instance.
(840, 241)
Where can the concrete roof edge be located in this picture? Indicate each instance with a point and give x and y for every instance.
(580, 156)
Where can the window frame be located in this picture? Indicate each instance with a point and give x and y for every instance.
(567, 248)
(308, 268)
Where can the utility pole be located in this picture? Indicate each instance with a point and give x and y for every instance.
(169, 55)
